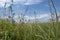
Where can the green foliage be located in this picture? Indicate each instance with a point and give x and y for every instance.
(27, 31)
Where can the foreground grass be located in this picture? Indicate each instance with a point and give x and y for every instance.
(28, 31)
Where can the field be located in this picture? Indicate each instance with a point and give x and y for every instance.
(48, 11)
(29, 31)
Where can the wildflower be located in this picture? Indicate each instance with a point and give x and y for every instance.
(7, 16)
(59, 18)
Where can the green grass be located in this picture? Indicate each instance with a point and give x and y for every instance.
(28, 31)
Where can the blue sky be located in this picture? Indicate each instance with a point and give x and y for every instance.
(40, 6)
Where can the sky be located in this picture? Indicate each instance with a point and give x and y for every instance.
(41, 7)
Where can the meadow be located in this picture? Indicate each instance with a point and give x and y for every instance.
(29, 31)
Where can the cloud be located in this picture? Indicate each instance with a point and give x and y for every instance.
(40, 17)
(3, 3)
(22, 2)
(5, 0)
(29, 2)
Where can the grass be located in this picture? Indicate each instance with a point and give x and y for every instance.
(28, 31)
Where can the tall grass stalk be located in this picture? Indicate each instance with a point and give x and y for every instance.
(11, 10)
(4, 28)
(53, 6)
(35, 16)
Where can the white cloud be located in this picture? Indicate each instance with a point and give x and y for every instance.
(5, 0)
(28, 2)
(41, 16)
(38, 16)
(3, 3)
(23, 2)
